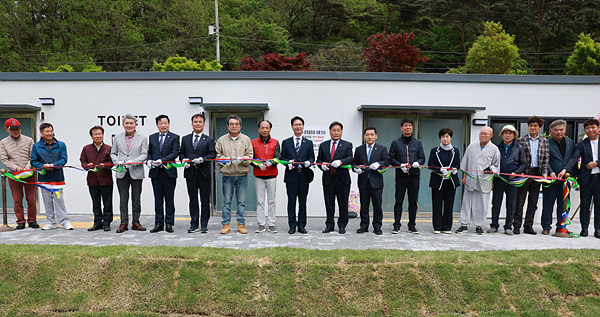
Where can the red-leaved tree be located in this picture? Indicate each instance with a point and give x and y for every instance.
(390, 52)
(274, 61)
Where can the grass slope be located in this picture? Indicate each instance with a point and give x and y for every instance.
(158, 281)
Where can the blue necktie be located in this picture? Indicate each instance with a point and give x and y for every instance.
(161, 141)
(369, 154)
(297, 145)
(195, 142)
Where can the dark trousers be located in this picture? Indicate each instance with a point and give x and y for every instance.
(553, 194)
(123, 185)
(404, 183)
(531, 188)
(102, 194)
(442, 203)
(589, 191)
(501, 188)
(297, 190)
(336, 189)
(370, 194)
(195, 184)
(164, 192)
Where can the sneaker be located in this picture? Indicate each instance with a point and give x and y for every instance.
(462, 229)
(20, 226)
(437, 231)
(447, 231)
(225, 228)
(508, 232)
(68, 226)
(193, 229)
(34, 225)
(413, 230)
(242, 229)
(492, 230)
(272, 229)
(478, 230)
(260, 229)
(396, 230)
(49, 227)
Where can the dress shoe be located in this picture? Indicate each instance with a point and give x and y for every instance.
(584, 232)
(342, 230)
(137, 227)
(106, 227)
(157, 228)
(96, 227)
(20, 226)
(597, 234)
(226, 228)
(122, 228)
(169, 228)
(292, 230)
(529, 230)
(362, 230)
(546, 231)
(302, 230)
(328, 230)
(378, 232)
(34, 225)
(517, 231)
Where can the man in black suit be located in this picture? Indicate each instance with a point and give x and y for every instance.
(336, 179)
(298, 175)
(370, 181)
(197, 149)
(589, 176)
(163, 147)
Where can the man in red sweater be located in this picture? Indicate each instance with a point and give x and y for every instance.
(265, 176)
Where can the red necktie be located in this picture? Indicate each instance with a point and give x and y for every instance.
(332, 152)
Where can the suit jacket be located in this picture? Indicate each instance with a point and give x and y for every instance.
(439, 158)
(583, 149)
(204, 149)
(557, 161)
(288, 153)
(138, 152)
(169, 152)
(379, 154)
(343, 152)
(543, 154)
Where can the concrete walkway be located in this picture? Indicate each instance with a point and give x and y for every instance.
(426, 240)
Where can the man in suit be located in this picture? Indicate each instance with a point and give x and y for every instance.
(299, 151)
(407, 151)
(163, 147)
(537, 158)
(197, 149)
(336, 179)
(561, 151)
(589, 176)
(370, 181)
(130, 147)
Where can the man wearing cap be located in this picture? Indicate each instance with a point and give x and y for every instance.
(480, 159)
(15, 153)
(512, 162)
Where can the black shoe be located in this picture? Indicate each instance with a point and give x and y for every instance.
(34, 225)
(413, 230)
(106, 227)
(461, 229)
(529, 230)
(203, 230)
(597, 234)
(95, 227)
(584, 232)
(157, 228)
(362, 230)
(378, 232)
(169, 228)
(396, 230)
(302, 230)
(517, 231)
(20, 226)
(328, 230)
(478, 230)
(342, 230)
(193, 228)
(292, 230)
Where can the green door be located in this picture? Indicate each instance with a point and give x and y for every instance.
(249, 128)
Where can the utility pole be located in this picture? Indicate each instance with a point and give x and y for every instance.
(214, 30)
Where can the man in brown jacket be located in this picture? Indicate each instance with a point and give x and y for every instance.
(15, 152)
(94, 157)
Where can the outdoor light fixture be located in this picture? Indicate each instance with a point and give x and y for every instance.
(196, 100)
(47, 101)
(479, 121)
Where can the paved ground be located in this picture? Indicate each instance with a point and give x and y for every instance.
(426, 240)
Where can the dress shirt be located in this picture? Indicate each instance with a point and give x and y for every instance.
(534, 144)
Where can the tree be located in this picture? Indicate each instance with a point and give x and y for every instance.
(344, 56)
(392, 53)
(180, 63)
(493, 52)
(585, 59)
(274, 62)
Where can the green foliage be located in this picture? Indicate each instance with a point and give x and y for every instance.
(460, 70)
(585, 59)
(180, 63)
(493, 52)
(92, 68)
(59, 69)
(343, 56)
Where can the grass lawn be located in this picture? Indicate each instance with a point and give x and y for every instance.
(172, 281)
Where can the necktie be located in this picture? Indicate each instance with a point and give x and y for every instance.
(332, 149)
(297, 145)
(369, 154)
(161, 141)
(195, 142)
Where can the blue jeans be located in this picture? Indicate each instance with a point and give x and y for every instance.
(240, 183)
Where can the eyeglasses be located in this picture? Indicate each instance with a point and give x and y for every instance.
(234, 124)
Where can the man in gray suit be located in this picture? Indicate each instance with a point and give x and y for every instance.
(130, 147)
